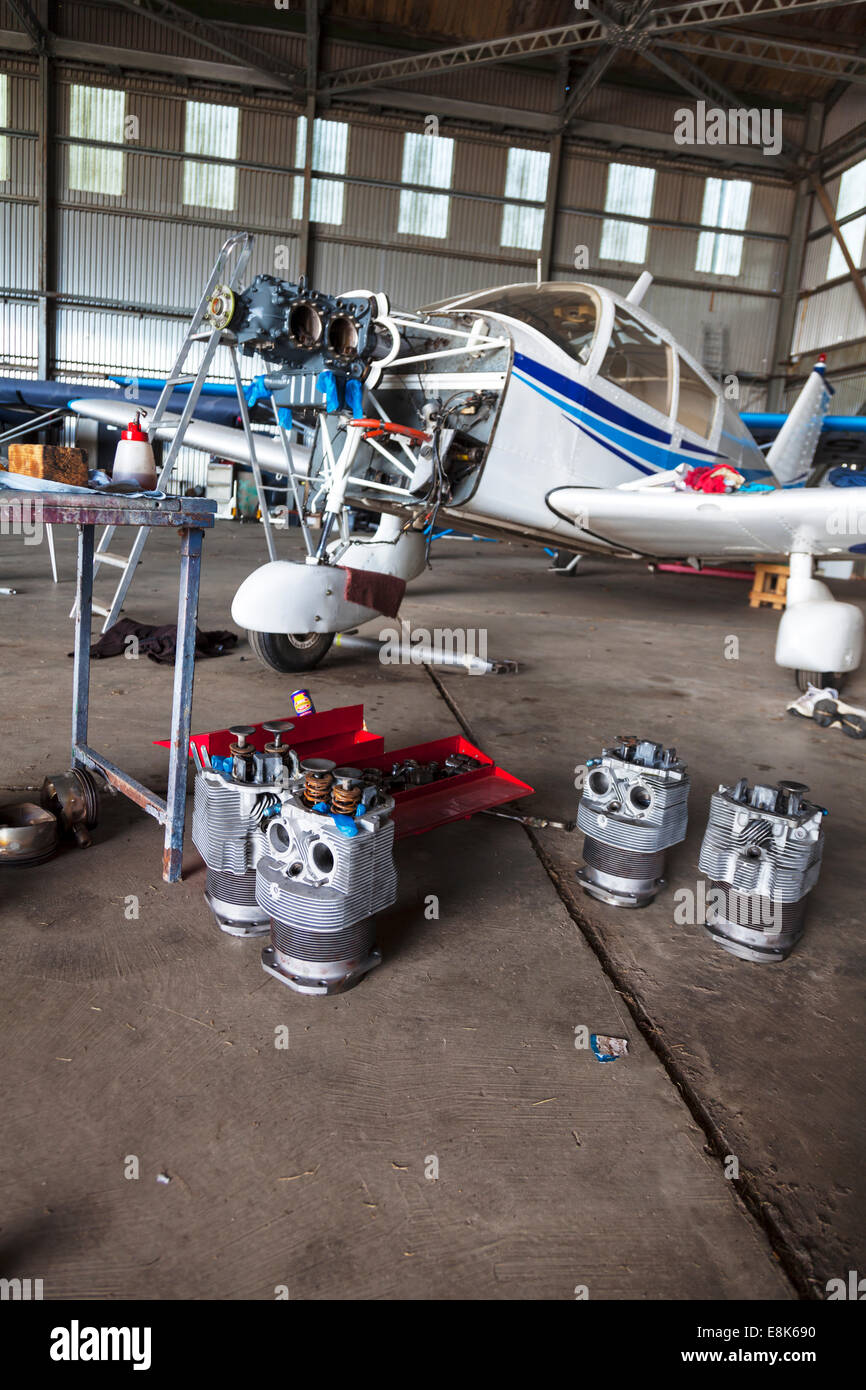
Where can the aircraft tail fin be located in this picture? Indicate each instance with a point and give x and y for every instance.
(793, 449)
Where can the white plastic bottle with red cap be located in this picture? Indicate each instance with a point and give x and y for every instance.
(133, 458)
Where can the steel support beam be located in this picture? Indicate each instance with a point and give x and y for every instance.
(539, 42)
(787, 315)
(628, 35)
(587, 83)
(694, 80)
(551, 205)
(313, 35)
(841, 87)
(830, 214)
(47, 210)
(176, 17)
(841, 152)
(812, 59)
(31, 23)
(671, 20)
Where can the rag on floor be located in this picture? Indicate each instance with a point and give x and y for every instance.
(159, 643)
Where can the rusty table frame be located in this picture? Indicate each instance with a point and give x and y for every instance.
(190, 517)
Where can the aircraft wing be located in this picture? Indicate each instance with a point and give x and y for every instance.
(20, 395)
(217, 439)
(665, 523)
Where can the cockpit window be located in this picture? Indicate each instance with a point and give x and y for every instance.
(697, 406)
(568, 316)
(640, 362)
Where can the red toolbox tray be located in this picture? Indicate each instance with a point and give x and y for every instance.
(333, 732)
(450, 798)
(340, 734)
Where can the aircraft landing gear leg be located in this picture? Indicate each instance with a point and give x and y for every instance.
(565, 562)
(820, 679)
(819, 638)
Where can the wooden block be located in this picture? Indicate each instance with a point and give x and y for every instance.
(52, 461)
(770, 587)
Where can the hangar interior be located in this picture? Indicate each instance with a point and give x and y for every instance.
(433, 150)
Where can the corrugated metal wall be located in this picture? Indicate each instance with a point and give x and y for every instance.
(830, 314)
(131, 264)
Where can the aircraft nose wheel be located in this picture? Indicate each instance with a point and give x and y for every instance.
(290, 651)
(820, 679)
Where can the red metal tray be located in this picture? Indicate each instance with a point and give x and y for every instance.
(334, 731)
(451, 798)
(341, 734)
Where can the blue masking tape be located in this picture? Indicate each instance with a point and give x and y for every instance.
(354, 398)
(326, 382)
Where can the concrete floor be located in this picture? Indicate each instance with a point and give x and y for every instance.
(305, 1167)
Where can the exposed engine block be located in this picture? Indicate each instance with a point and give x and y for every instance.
(299, 328)
(762, 852)
(231, 797)
(321, 878)
(634, 806)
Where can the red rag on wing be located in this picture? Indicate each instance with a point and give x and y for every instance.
(705, 480)
(383, 592)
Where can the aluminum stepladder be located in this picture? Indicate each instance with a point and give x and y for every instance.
(227, 271)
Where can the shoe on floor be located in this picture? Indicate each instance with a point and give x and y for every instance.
(827, 710)
(805, 704)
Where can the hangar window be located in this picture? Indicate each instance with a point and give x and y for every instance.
(851, 198)
(210, 130)
(330, 149)
(726, 204)
(96, 113)
(639, 361)
(428, 160)
(630, 190)
(697, 403)
(526, 178)
(4, 120)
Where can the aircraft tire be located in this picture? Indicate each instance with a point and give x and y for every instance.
(290, 651)
(821, 679)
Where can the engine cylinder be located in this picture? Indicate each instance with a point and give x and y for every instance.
(762, 852)
(322, 877)
(634, 806)
(226, 820)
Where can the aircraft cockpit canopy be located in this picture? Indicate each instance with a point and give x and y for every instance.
(568, 316)
(636, 358)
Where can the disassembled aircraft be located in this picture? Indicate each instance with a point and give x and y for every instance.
(558, 412)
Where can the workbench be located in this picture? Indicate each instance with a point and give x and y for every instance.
(190, 517)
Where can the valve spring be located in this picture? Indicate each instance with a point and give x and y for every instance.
(316, 787)
(345, 800)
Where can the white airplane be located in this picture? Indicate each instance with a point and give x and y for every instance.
(558, 412)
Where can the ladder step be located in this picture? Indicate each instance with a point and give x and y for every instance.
(97, 608)
(106, 557)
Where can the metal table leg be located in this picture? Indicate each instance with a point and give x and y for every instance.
(83, 620)
(52, 554)
(181, 713)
